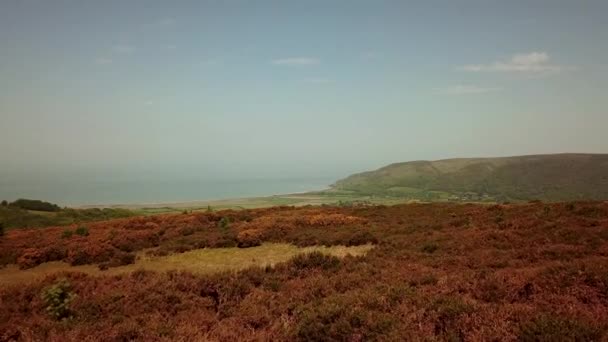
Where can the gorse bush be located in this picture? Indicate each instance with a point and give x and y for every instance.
(57, 299)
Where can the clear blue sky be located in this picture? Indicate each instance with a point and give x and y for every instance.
(291, 88)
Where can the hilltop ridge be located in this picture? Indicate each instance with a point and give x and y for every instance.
(550, 177)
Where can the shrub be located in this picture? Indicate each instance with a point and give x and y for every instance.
(449, 309)
(223, 223)
(553, 328)
(342, 318)
(82, 231)
(314, 260)
(34, 205)
(1, 229)
(120, 259)
(361, 238)
(186, 231)
(429, 248)
(57, 299)
(67, 234)
(428, 279)
(249, 238)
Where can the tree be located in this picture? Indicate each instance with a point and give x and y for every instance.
(4, 203)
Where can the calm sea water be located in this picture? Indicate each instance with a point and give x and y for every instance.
(140, 192)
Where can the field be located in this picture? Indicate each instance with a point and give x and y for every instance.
(437, 271)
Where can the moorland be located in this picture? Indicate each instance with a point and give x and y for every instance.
(431, 271)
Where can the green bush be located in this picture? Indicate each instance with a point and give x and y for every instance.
(34, 205)
(82, 231)
(57, 299)
(67, 234)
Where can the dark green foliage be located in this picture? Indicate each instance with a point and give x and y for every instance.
(37, 205)
(82, 231)
(553, 328)
(67, 233)
(1, 229)
(57, 299)
(4, 203)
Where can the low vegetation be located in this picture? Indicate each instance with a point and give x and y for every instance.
(527, 272)
(19, 217)
(36, 205)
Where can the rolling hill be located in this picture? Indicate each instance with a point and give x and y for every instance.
(553, 177)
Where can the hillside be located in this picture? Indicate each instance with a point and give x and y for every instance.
(555, 177)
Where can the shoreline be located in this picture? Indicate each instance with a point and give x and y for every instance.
(231, 201)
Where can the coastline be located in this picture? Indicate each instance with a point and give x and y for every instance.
(304, 196)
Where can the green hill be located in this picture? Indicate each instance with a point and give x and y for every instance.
(555, 177)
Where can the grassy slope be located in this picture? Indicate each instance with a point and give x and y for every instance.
(558, 177)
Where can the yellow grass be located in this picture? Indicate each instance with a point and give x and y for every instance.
(198, 261)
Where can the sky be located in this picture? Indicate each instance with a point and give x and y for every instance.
(262, 89)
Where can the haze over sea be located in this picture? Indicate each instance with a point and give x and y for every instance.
(104, 192)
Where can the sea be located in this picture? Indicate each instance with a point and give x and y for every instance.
(107, 192)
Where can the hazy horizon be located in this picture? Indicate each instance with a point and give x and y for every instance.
(237, 90)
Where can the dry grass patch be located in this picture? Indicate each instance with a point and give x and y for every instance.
(200, 261)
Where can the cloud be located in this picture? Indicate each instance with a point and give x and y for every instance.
(103, 61)
(463, 89)
(124, 49)
(533, 62)
(296, 61)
